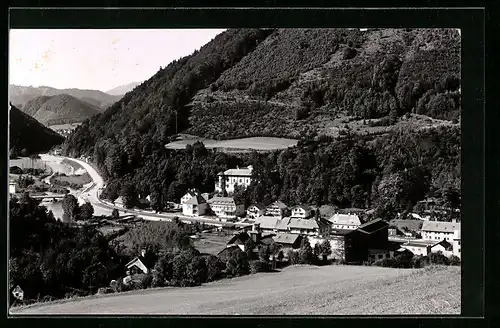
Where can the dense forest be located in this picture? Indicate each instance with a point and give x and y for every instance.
(27, 136)
(281, 82)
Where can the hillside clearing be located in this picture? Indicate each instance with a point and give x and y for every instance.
(307, 290)
(257, 143)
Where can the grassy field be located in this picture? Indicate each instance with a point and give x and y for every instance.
(257, 143)
(304, 290)
(211, 243)
(26, 162)
(76, 179)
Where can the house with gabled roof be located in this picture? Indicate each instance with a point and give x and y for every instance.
(255, 210)
(195, 206)
(226, 208)
(301, 212)
(228, 179)
(277, 208)
(345, 221)
(439, 230)
(190, 193)
(309, 226)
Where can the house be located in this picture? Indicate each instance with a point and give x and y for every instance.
(390, 250)
(256, 210)
(18, 293)
(445, 247)
(195, 206)
(227, 180)
(311, 227)
(301, 212)
(345, 221)
(255, 235)
(226, 208)
(404, 228)
(287, 241)
(189, 194)
(277, 209)
(457, 244)
(12, 188)
(272, 223)
(438, 230)
(369, 235)
(140, 264)
(417, 247)
(426, 247)
(119, 202)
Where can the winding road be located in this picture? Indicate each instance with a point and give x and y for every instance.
(91, 195)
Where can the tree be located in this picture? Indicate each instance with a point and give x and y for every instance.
(326, 249)
(197, 270)
(249, 247)
(115, 215)
(214, 268)
(86, 211)
(306, 253)
(70, 207)
(237, 264)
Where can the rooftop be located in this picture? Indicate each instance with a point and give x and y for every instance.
(196, 199)
(286, 238)
(412, 225)
(439, 226)
(222, 200)
(346, 219)
(245, 171)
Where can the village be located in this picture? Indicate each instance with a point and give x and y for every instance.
(352, 240)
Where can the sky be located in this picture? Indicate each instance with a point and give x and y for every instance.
(97, 59)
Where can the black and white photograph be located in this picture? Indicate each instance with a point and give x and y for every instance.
(238, 171)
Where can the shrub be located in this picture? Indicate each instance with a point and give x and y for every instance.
(349, 53)
(438, 258)
(454, 260)
(258, 266)
(15, 170)
(293, 257)
(146, 281)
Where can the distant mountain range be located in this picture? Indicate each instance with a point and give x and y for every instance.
(28, 136)
(123, 89)
(60, 109)
(20, 95)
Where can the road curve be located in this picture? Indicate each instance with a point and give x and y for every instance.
(92, 196)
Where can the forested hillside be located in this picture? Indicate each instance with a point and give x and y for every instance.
(28, 136)
(60, 109)
(291, 82)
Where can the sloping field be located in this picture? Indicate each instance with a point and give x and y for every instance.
(305, 290)
(257, 143)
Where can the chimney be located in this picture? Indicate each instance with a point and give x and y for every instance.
(454, 220)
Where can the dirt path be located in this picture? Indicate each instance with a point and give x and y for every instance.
(331, 290)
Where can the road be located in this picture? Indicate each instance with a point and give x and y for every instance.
(91, 194)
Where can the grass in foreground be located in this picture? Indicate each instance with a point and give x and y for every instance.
(305, 290)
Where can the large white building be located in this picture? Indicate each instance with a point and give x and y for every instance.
(232, 177)
(345, 221)
(437, 230)
(226, 208)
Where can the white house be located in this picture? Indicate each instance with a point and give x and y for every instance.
(311, 226)
(232, 177)
(445, 247)
(277, 209)
(119, 202)
(189, 194)
(12, 188)
(195, 206)
(417, 248)
(301, 212)
(226, 208)
(256, 210)
(437, 230)
(457, 244)
(345, 221)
